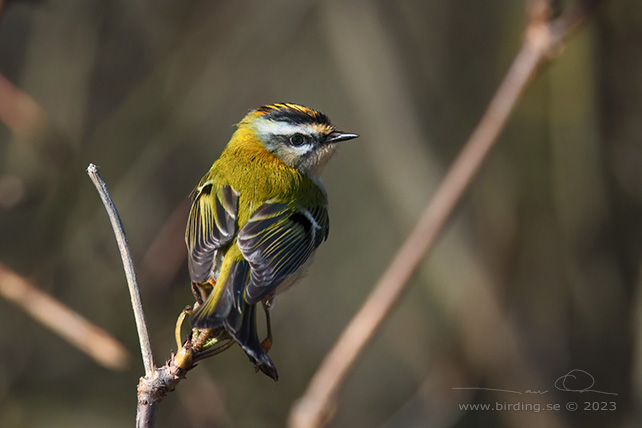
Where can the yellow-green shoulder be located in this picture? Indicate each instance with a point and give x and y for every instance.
(260, 176)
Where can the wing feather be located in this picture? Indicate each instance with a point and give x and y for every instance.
(210, 226)
(276, 241)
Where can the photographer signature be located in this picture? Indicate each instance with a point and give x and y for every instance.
(574, 381)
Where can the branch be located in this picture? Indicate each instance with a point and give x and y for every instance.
(203, 343)
(77, 330)
(542, 40)
(130, 273)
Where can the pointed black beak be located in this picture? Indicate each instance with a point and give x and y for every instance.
(336, 136)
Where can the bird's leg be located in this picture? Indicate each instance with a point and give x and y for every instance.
(267, 342)
(196, 293)
(202, 290)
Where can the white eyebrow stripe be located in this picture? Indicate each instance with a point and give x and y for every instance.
(265, 127)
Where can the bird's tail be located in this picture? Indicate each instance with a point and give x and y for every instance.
(226, 306)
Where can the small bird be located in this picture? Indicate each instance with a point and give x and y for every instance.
(257, 217)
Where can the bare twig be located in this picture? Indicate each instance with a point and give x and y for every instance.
(130, 273)
(157, 382)
(542, 40)
(77, 330)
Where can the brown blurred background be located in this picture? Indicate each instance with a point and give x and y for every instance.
(538, 273)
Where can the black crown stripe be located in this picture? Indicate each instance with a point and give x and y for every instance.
(293, 113)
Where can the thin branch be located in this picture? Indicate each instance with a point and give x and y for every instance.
(542, 39)
(130, 273)
(157, 382)
(77, 330)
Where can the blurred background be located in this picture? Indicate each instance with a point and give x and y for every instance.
(538, 273)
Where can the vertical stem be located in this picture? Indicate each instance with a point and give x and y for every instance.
(146, 414)
(128, 264)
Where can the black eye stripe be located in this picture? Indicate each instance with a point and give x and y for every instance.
(294, 114)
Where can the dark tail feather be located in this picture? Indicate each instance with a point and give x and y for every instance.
(238, 318)
(241, 323)
(242, 327)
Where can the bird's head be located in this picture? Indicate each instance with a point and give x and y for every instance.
(301, 137)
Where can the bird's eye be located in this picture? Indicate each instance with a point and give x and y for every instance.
(297, 139)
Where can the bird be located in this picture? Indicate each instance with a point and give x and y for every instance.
(257, 217)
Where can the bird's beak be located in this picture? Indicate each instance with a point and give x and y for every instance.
(336, 136)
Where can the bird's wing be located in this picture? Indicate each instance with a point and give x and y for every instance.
(276, 241)
(211, 225)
